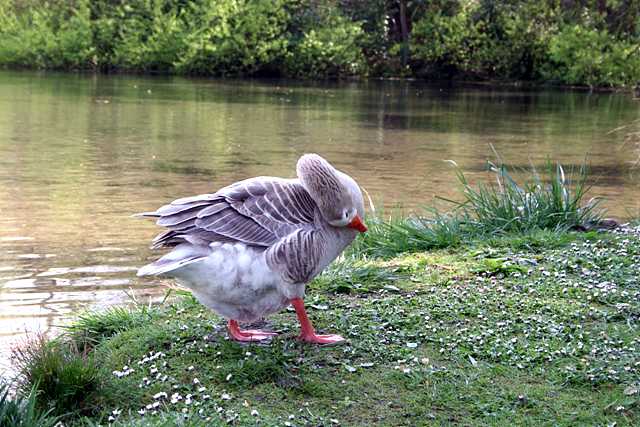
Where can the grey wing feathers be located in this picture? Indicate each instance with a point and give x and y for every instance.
(258, 211)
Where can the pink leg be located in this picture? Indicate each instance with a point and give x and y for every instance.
(250, 335)
(307, 333)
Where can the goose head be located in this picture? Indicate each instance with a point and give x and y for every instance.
(337, 195)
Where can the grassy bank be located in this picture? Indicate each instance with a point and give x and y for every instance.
(540, 329)
(498, 312)
(587, 43)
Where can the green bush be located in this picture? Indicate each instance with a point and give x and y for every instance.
(47, 37)
(582, 43)
(331, 50)
(151, 39)
(444, 42)
(488, 40)
(580, 55)
(230, 37)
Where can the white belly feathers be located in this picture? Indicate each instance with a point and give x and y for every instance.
(235, 281)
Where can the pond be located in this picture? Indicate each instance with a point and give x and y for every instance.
(79, 154)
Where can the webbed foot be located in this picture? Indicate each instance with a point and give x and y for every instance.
(249, 335)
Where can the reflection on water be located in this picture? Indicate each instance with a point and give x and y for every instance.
(80, 154)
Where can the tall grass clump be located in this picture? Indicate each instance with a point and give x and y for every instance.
(559, 203)
(21, 411)
(63, 376)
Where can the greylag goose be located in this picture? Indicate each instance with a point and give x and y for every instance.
(248, 250)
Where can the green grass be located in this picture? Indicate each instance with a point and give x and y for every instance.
(22, 411)
(397, 234)
(90, 328)
(535, 329)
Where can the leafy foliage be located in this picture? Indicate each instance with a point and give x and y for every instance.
(590, 42)
(333, 49)
(43, 37)
(581, 55)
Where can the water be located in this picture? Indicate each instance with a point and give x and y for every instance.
(80, 154)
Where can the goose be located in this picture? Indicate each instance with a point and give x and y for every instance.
(248, 250)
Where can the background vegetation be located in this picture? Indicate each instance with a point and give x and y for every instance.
(576, 42)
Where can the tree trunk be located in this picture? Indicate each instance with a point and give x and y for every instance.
(404, 29)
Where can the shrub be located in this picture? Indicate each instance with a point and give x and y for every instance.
(55, 36)
(443, 42)
(152, 39)
(580, 55)
(486, 39)
(332, 49)
(229, 37)
(582, 43)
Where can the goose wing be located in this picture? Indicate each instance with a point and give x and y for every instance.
(258, 212)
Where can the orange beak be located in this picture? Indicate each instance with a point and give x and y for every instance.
(357, 224)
